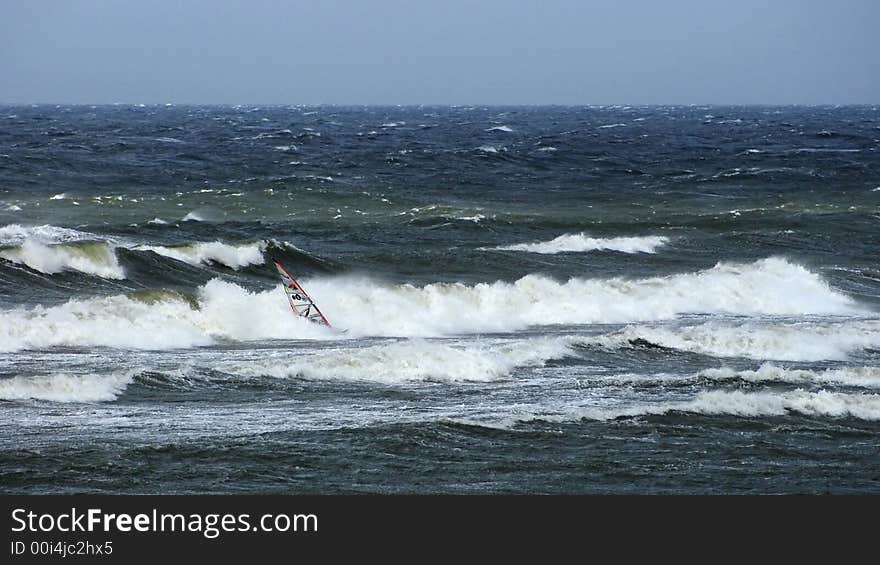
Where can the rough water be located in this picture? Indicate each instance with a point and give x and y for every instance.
(524, 300)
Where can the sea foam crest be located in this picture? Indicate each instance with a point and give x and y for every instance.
(802, 341)
(580, 242)
(368, 308)
(415, 360)
(221, 310)
(93, 258)
(767, 287)
(64, 387)
(865, 377)
(16, 234)
(232, 256)
(823, 404)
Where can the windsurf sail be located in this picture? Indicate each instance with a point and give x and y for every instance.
(300, 302)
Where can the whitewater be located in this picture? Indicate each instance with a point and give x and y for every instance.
(223, 310)
(522, 300)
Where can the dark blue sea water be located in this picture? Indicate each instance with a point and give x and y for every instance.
(523, 299)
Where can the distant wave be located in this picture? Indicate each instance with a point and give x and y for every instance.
(16, 234)
(93, 258)
(194, 216)
(51, 249)
(232, 256)
(580, 242)
(435, 214)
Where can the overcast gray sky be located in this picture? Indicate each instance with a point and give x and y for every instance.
(440, 52)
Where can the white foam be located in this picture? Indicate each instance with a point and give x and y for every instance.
(751, 404)
(232, 256)
(366, 307)
(15, 234)
(476, 218)
(487, 149)
(93, 258)
(225, 311)
(64, 387)
(194, 216)
(767, 287)
(804, 341)
(580, 242)
(507, 129)
(415, 360)
(867, 377)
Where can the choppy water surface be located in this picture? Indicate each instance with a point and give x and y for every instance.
(526, 300)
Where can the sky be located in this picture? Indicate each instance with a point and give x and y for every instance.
(566, 52)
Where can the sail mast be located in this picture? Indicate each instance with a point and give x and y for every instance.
(300, 301)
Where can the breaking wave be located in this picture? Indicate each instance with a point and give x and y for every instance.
(416, 360)
(16, 234)
(233, 256)
(579, 243)
(220, 311)
(750, 405)
(803, 341)
(866, 377)
(51, 249)
(225, 311)
(91, 257)
(64, 387)
(767, 287)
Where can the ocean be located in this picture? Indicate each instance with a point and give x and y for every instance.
(561, 300)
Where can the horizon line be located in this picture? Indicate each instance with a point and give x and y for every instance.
(450, 105)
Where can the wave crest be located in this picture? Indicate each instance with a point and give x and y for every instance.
(91, 257)
(580, 242)
(65, 387)
(414, 361)
(823, 403)
(203, 253)
(367, 308)
(16, 234)
(767, 287)
(866, 377)
(803, 341)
